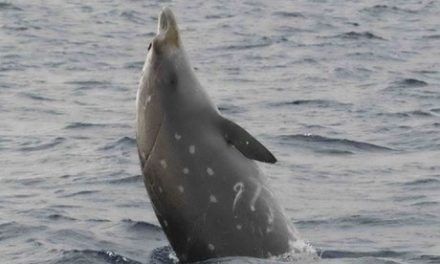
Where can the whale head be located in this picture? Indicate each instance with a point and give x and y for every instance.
(166, 62)
(167, 72)
(167, 37)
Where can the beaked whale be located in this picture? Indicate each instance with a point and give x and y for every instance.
(199, 168)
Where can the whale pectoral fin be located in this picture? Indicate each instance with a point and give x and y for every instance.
(245, 142)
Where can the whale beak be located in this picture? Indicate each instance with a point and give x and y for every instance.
(167, 27)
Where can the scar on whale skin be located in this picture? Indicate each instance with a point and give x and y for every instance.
(238, 188)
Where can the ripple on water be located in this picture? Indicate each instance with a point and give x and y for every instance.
(141, 226)
(318, 103)
(39, 144)
(328, 145)
(123, 142)
(331, 254)
(8, 6)
(424, 183)
(128, 179)
(80, 193)
(410, 82)
(85, 125)
(355, 221)
(288, 14)
(352, 35)
(38, 97)
(14, 229)
(92, 257)
(386, 9)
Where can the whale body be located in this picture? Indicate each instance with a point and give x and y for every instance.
(200, 168)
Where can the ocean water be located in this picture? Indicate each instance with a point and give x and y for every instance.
(346, 94)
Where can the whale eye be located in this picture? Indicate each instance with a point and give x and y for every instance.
(149, 46)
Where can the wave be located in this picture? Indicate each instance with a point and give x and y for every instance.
(122, 142)
(420, 182)
(359, 35)
(129, 179)
(92, 257)
(88, 84)
(331, 145)
(86, 192)
(436, 36)
(230, 109)
(82, 125)
(383, 9)
(58, 217)
(251, 43)
(134, 65)
(426, 203)
(356, 221)
(288, 14)
(8, 6)
(218, 16)
(414, 113)
(410, 82)
(141, 225)
(134, 16)
(37, 97)
(76, 125)
(166, 255)
(333, 254)
(384, 256)
(14, 229)
(315, 103)
(36, 146)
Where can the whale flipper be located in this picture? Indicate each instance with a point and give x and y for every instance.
(245, 142)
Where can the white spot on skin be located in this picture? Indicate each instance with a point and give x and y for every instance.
(163, 163)
(247, 142)
(210, 171)
(270, 217)
(211, 247)
(192, 149)
(255, 197)
(177, 136)
(160, 189)
(185, 170)
(212, 199)
(238, 188)
(181, 189)
(238, 227)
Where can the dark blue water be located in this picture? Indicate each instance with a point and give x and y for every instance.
(345, 93)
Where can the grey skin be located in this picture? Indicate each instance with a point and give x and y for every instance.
(199, 168)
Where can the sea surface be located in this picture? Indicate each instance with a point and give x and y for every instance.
(346, 94)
